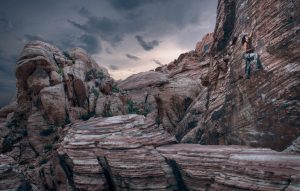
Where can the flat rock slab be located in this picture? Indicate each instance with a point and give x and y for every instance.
(216, 167)
(117, 152)
(130, 152)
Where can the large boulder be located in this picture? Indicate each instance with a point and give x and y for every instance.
(143, 79)
(108, 106)
(117, 153)
(38, 80)
(53, 104)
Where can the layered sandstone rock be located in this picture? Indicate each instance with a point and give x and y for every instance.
(117, 152)
(143, 79)
(229, 109)
(232, 167)
(262, 111)
(10, 176)
(201, 97)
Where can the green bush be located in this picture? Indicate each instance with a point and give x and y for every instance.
(132, 109)
(157, 120)
(68, 56)
(95, 92)
(67, 119)
(107, 113)
(60, 71)
(12, 123)
(87, 116)
(115, 89)
(94, 74)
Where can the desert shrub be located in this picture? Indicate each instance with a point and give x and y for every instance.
(87, 116)
(157, 120)
(132, 109)
(67, 55)
(67, 119)
(60, 71)
(94, 74)
(95, 92)
(12, 123)
(115, 89)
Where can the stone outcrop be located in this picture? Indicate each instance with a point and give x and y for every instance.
(135, 133)
(133, 152)
(117, 153)
(10, 176)
(143, 79)
(229, 109)
(262, 111)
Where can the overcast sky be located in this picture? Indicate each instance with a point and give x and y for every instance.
(125, 36)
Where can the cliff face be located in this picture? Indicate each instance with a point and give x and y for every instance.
(263, 111)
(227, 108)
(202, 97)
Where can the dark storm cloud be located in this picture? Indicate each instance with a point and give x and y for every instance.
(147, 45)
(90, 43)
(95, 25)
(125, 4)
(157, 62)
(132, 57)
(113, 67)
(5, 24)
(31, 37)
(7, 89)
(105, 27)
(84, 12)
(108, 51)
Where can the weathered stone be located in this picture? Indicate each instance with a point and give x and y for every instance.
(38, 80)
(53, 104)
(216, 167)
(4, 111)
(143, 79)
(117, 152)
(108, 106)
(10, 176)
(39, 133)
(55, 78)
(295, 147)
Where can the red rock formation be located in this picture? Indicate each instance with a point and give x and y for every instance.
(201, 97)
(116, 152)
(262, 111)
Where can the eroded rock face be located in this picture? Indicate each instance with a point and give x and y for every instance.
(132, 152)
(216, 167)
(143, 79)
(53, 89)
(229, 109)
(53, 104)
(262, 111)
(117, 152)
(11, 177)
(201, 97)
